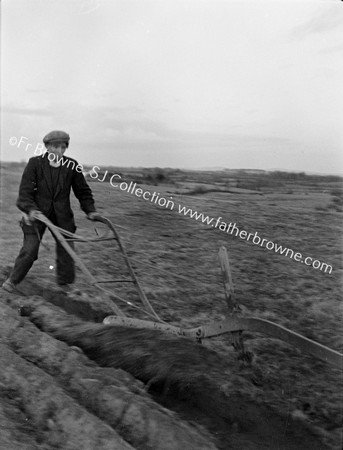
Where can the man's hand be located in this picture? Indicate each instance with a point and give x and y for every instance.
(32, 214)
(93, 216)
(29, 218)
(26, 219)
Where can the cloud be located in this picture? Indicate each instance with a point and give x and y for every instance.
(89, 6)
(118, 110)
(142, 132)
(324, 21)
(130, 127)
(26, 111)
(36, 90)
(333, 49)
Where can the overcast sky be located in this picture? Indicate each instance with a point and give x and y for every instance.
(177, 83)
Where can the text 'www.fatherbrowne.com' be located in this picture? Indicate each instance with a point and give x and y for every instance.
(168, 203)
(232, 229)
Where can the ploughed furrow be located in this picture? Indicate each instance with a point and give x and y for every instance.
(110, 394)
(187, 370)
(59, 420)
(15, 431)
(94, 309)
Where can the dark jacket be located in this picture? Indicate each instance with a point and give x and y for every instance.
(36, 190)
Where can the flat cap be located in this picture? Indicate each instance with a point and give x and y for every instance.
(56, 136)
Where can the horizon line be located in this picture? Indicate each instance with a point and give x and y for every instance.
(201, 169)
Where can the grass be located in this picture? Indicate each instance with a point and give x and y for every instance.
(267, 284)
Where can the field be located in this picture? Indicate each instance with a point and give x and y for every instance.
(284, 399)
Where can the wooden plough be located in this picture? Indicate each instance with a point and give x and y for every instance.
(234, 322)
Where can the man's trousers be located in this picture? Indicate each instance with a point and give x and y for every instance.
(29, 253)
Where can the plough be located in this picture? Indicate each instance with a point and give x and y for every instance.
(234, 322)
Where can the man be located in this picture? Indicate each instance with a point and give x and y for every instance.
(45, 186)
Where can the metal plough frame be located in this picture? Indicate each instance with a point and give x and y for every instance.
(234, 322)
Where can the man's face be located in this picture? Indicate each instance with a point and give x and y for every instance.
(57, 148)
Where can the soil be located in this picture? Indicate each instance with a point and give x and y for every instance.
(67, 381)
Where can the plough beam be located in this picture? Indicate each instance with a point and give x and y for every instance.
(234, 324)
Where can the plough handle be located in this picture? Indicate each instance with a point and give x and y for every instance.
(140, 291)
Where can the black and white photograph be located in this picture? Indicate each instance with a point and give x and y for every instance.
(171, 240)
